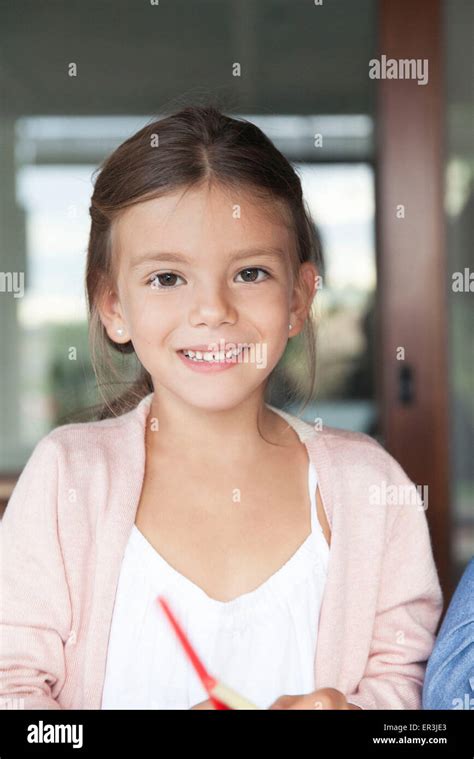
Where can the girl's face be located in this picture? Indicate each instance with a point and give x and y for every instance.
(206, 267)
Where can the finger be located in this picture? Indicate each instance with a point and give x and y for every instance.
(328, 698)
(204, 705)
(284, 702)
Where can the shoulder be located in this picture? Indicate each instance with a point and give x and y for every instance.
(349, 448)
(349, 441)
(365, 473)
(343, 447)
(87, 458)
(355, 469)
(83, 448)
(90, 437)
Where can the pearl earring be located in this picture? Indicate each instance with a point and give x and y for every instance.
(289, 326)
(120, 331)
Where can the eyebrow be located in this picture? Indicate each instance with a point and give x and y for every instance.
(179, 258)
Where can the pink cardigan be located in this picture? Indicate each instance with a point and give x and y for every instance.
(65, 530)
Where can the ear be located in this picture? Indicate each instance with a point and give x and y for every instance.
(304, 291)
(112, 317)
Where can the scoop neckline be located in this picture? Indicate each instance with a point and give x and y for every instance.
(252, 597)
(314, 544)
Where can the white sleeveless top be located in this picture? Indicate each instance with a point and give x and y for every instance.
(262, 643)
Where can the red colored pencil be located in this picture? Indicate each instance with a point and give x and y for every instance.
(221, 695)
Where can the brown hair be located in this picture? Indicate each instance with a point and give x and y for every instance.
(197, 143)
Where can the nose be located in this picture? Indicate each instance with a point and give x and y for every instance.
(211, 304)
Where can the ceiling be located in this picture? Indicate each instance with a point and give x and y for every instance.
(134, 57)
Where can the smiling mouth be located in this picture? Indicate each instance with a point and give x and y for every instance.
(213, 356)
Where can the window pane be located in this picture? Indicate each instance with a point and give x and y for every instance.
(340, 198)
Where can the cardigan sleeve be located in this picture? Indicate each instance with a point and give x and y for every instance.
(409, 607)
(35, 609)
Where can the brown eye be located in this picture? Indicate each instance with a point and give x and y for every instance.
(252, 272)
(161, 281)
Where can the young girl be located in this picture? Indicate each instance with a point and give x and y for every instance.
(300, 584)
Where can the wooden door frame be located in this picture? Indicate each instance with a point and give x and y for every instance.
(412, 307)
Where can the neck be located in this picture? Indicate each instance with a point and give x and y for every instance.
(239, 433)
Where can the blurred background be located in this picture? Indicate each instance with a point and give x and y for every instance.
(386, 144)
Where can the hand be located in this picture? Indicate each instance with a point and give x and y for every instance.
(324, 698)
(207, 704)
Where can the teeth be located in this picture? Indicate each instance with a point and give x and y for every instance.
(212, 356)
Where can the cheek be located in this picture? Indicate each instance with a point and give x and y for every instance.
(147, 315)
(270, 312)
